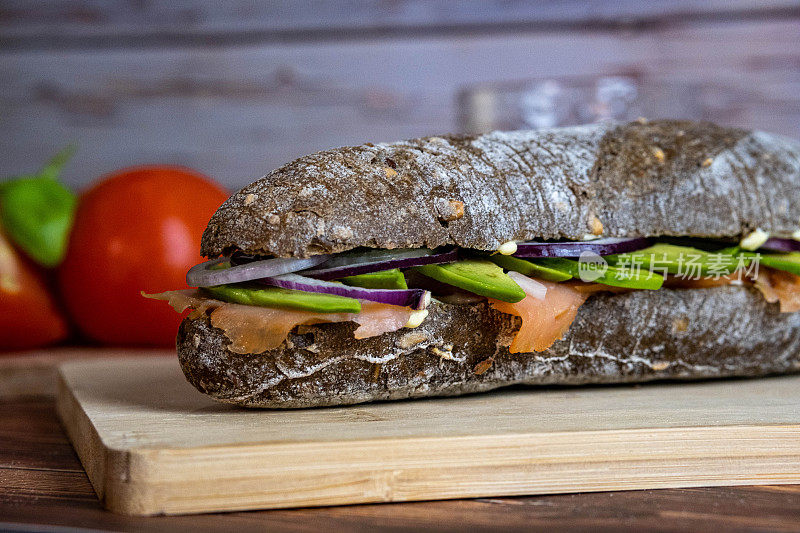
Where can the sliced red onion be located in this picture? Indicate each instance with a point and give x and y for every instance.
(353, 264)
(781, 245)
(414, 298)
(203, 275)
(576, 248)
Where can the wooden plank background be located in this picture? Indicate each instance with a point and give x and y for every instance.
(237, 88)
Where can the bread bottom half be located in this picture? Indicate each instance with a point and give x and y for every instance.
(459, 349)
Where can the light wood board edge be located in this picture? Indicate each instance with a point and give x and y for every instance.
(150, 481)
(84, 437)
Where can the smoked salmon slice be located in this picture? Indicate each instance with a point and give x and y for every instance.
(544, 320)
(780, 286)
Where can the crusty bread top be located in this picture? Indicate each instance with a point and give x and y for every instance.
(639, 179)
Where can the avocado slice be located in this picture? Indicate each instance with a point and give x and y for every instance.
(385, 279)
(477, 276)
(789, 262)
(285, 299)
(527, 268)
(682, 260)
(629, 278)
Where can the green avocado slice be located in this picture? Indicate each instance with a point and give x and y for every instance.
(528, 268)
(285, 299)
(682, 260)
(629, 278)
(385, 279)
(477, 276)
(789, 262)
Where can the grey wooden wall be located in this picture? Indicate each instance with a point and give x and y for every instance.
(236, 88)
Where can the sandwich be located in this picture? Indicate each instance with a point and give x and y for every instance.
(447, 265)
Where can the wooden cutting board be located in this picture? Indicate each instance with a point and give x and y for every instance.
(151, 444)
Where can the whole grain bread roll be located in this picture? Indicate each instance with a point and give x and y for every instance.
(663, 178)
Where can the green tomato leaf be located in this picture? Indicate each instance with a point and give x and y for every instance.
(37, 212)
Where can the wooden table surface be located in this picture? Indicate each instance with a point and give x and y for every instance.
(42, 483)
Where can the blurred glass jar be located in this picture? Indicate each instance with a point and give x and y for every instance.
(564, 101)
(550, 102)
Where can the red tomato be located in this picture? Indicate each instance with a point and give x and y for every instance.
(29, 317)
(137, 230)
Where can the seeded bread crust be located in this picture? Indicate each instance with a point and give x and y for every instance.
(633, 337)
(638, 179)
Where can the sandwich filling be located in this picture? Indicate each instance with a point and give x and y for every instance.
(258, 301)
